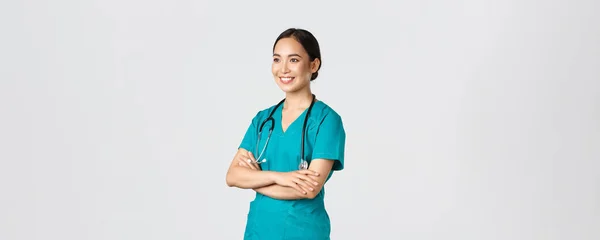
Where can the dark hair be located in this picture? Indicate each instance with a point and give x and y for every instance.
(308, 41)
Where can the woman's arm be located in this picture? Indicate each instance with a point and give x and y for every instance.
(244, 177)
(321, 166)
(281, 192)
(302, 181)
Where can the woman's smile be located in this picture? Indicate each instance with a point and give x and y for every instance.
(286, 80)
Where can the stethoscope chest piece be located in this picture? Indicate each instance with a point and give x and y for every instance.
(303, 165)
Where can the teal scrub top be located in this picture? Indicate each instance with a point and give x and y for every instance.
(270, 218)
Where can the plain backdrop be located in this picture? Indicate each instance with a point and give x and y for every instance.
(464, 119)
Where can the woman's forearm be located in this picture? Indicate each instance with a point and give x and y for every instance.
(245, 178)
(281, 192)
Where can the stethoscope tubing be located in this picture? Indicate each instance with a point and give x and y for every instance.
(303, 163)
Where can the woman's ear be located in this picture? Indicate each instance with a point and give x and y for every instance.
(314, 65)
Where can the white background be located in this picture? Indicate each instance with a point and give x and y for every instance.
(464, 119)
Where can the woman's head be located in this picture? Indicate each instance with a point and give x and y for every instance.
(296, 59)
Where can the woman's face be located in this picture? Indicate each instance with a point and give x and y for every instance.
(291, 66)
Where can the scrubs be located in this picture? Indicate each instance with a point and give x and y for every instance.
(271, 219)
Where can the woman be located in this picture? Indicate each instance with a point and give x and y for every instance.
(289, 202)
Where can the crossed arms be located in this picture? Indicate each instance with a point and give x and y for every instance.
(301, 184)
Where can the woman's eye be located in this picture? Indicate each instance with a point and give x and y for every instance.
(276, 60)
(294, 60)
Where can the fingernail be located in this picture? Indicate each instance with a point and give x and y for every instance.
(248, 160)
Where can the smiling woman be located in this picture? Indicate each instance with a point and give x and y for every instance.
(290, 149)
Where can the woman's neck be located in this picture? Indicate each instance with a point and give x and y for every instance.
(298, 100)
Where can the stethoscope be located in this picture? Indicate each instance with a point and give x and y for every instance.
(303, 162)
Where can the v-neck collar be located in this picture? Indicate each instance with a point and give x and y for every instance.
(291, 128)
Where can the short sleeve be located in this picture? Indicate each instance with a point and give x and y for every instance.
(249, 140)
(331, 140)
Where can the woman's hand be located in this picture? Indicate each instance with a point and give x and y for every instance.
(301, 180)
(248, 161)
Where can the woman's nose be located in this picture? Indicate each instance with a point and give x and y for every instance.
(284, 68)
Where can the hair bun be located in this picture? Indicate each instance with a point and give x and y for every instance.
(314, 75)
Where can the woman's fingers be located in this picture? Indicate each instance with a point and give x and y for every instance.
(308, 178)
(244, 163)
(298, 187)
(305, 190)
(303, 183)
(289, 179)
(247, 163)
(308, 172)
(254, 163)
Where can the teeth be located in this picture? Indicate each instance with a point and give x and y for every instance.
(286, 79)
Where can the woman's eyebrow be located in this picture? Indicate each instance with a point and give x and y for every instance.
(290, 55)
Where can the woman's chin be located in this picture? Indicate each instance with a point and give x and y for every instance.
(287, 89)
(290, 87)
